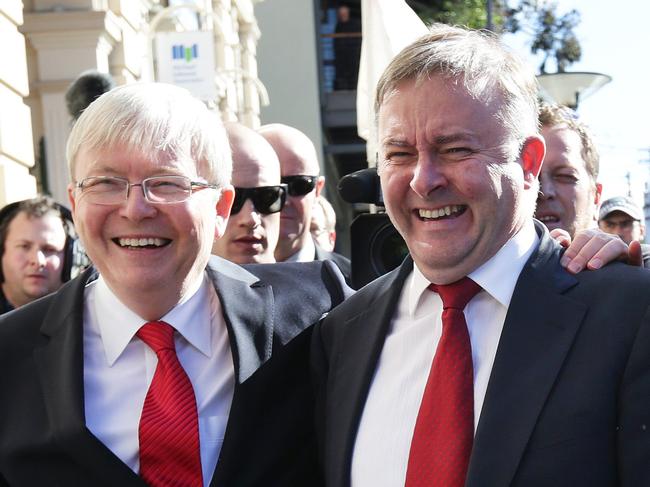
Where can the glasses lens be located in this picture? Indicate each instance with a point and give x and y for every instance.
(299, 185)
(167, 189)
(238, 202)
(104, 190)
(266, 199)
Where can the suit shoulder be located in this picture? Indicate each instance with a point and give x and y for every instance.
(21, 327)
(366, 297)
(304, 291)
(616, 284)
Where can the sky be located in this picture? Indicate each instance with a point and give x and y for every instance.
(615, 40)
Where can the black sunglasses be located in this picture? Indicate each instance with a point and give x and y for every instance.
(300, 185)
(266, 199)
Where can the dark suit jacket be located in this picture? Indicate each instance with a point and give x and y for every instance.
(43, 437)
(568, 400)
(341, 261)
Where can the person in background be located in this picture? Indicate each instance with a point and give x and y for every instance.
(254, 224)
(347, 49)
(621, 216)
(300, 172)
(481, 358)
(569, 190)
(88, 86)
(33, 238)
(323, 224)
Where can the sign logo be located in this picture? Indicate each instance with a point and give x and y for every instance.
(179, 51)
(185, 67)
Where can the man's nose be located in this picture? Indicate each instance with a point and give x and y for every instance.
(252, 218)
(546, 188)
(427, 176)
(38, 258)
(136, 207)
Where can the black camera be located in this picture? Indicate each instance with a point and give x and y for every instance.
(376, 246)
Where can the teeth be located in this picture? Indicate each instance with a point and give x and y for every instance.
(437, 213)
(545, 219)
(140, 242)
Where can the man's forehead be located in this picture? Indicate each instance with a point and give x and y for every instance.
(618, 215)
(47, 224)
(252, 172)
(117, 160)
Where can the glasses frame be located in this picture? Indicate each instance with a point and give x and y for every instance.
(249, 194)
(144, 185)
(288, 180)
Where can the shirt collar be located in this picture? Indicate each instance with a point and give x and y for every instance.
(191, 317)
(498, 276)
(306, 253)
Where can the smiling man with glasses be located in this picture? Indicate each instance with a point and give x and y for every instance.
(254, 225)
(300, 172)
(129, 374)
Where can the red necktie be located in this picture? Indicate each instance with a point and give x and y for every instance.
(169, 425)
(444, 430)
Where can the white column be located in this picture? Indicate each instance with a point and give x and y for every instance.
(65, 43)
(16, 150)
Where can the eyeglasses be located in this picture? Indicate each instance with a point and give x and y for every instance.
(266, 199)
(300, 185)
(110, 190)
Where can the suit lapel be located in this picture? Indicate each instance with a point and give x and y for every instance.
(247, 305)
(354, 366)
(540, 327)
(60, 369)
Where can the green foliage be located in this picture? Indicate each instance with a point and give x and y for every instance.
(551, 33)
(470, 13)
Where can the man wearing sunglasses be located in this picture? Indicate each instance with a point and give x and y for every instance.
(300, 172)
(254, 224)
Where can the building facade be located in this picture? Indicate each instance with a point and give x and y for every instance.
(48, 43)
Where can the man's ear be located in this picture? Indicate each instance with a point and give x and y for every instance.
(320, 184)
(532, 156)
(71, 197)
(224, 204)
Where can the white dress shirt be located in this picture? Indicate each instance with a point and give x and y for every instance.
(119, 367)
(383, 441)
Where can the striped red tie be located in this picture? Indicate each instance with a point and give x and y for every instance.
(444, 430)
(169, 425)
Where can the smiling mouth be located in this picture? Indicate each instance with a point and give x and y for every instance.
(446, 212)
(139, 243)
(548, 219)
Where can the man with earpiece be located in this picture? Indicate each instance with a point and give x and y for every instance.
(35, 240)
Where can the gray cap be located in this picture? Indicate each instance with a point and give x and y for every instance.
(621, 203)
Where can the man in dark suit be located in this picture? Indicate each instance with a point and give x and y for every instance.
(300, 171)
(480, 361)
(143, 369)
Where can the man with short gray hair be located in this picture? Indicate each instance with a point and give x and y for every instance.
(480, 361)
(130, 374)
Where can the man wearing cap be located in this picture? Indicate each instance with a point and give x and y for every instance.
(621, 216)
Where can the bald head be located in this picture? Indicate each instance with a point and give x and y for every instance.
(295, 150)
(251, 236)
(298, 157)
(254, 160)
